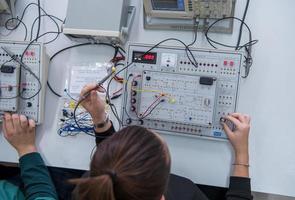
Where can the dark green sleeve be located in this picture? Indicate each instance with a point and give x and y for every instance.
(36, 178)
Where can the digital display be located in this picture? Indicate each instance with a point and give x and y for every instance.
(168, 5)
(149, 57)
(142, 57)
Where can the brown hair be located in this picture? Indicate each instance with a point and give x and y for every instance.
(133, 164)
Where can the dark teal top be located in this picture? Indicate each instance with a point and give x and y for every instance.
(37, 182)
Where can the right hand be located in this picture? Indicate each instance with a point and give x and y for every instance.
(239, 138)
(20, 133)
(93, 103)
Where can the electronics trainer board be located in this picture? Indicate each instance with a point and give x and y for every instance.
(164, 91)
(19, 89)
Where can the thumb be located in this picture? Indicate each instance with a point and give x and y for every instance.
(101, 89)
(228, 131)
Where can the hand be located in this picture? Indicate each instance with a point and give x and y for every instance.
(240, 136)
(20, 133)
(93, 103)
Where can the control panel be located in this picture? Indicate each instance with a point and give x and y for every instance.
(213, 9)
(164, 91)
(22, 91)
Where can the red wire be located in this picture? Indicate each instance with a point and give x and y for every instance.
(118, 91)
(143, 115)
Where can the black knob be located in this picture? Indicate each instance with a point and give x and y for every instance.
(148, 78)
(29, 104)
(134, 83)
(10, 88)
(134, 93)
(133, 108)
(128, 121)
(141, 122)
(133, 101)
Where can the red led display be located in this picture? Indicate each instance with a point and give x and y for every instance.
(149, 57)
(142, 57)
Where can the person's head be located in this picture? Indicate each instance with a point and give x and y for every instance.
(133, 164)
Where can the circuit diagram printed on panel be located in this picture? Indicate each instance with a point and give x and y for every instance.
(166, 92)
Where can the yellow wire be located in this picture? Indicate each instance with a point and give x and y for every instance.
(172, 100)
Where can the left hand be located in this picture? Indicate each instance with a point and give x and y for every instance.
(20, 133)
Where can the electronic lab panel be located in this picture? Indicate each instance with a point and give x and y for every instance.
(20, 91)
(164, 91)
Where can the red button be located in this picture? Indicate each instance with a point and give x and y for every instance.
(27, 53)
(32, 53)
(232, 63)
(225, 63)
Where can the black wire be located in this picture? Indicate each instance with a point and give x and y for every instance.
(19, 22)
(52, 90)
(108, 99)
(187, 50)
(45, 15)
(241, 26)
(39, 20)
(32, 73)
(247, 46)
(52, 17)
(196, 27)
(117, 50)
(84, 44)
(210, 40)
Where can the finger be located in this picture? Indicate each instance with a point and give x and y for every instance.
(227, 130)
(88, 88)
(101, 89)
(247, 118)
(32, 125)
(94, 97)
(235, 121)
(16, 122)
(239, 116)
(8, 122)
(24, 121)
(4, 127)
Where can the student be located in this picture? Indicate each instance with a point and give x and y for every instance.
(132, 164)
(20, 133)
